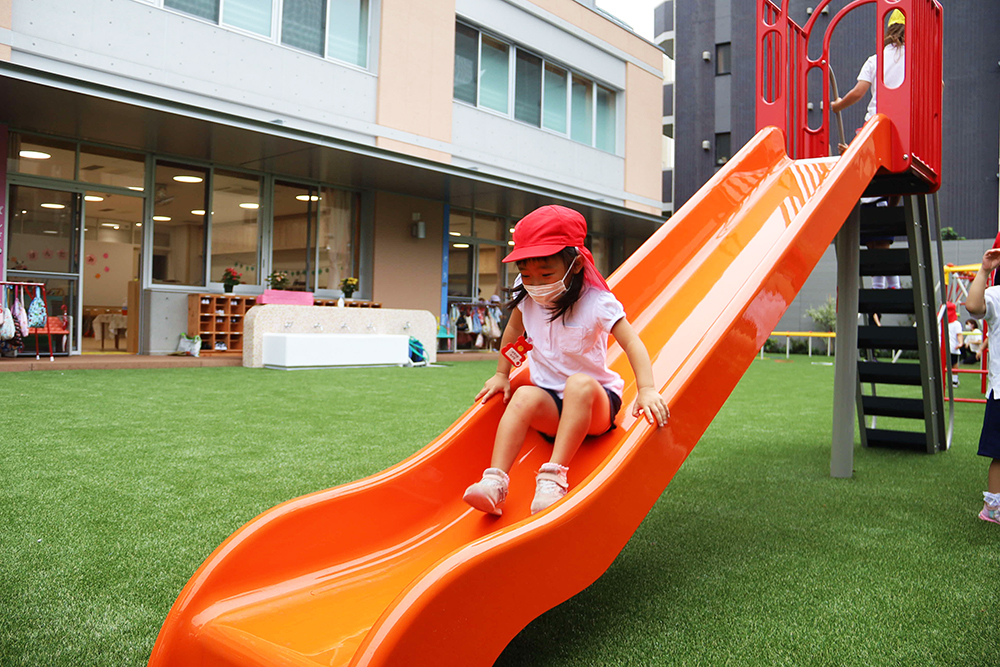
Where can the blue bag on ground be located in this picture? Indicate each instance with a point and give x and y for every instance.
(417, 351)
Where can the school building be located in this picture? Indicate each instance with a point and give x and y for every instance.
(153, 144)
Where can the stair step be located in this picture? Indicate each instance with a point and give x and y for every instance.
(886, 406)
(884, 373)
(887, 338)
(883, 221)
(883, 437)
(885, 262)
(897, 301)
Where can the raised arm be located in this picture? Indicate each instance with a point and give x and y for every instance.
(975, 303)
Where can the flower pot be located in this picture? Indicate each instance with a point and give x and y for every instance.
(227, 288)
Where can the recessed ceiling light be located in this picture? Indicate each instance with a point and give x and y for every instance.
(188, 179)
(50, 231)
(511, 230)
(454, 233)
(162, 218)
(93, 198)
(510, 243)
(198, 211)
(54, 206)
(34, 155)
(459, 245)
(137, 188)
(250, 205)
(307, 197)
(109, 224)
(138, 224)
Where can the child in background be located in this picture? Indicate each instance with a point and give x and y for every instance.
(954, 339)
(972, 339)
(984, 301)
(568, 313)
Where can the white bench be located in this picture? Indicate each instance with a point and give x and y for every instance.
(322, 350)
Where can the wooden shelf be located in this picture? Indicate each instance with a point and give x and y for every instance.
(218, 319)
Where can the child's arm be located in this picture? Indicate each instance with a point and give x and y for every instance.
(648, 400)
(975, 303)
(499, 383)
(855, 94)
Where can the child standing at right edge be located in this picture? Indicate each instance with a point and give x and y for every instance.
(984, 301)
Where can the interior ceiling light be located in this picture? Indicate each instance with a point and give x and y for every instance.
(109, 224)
(307, 197)
(138, 224)
(454, 233)
(53, 206)
(34, 155)
(188, 179)
(510, 243)
(162, 218)
(459, 245)
(198, 211)
(137, 188)
(250, 205)
(93, 198)
(50, 231)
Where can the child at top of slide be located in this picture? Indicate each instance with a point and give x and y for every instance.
(562, 302)
(893, 62)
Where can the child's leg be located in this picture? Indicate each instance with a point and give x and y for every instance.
(586, 411)
(993, 477)
(529, 407)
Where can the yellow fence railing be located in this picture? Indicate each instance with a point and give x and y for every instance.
(789, 335)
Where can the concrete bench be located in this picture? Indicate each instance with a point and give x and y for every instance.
(298, 350)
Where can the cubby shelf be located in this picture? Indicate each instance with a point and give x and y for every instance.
(218, 319)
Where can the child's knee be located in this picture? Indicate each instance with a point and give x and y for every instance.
(527, 399)
(580, 387)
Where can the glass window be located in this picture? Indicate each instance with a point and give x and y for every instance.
(528, 88)
(206, 9)
(252, 15)
(41, 156)
(459, 270)
(605, 133)
(347, 31)
(490, 227)
(302, 24)
(235, 205)
(723, 58)
(460, 223)
(295, 215)
(43, 234)
(490, 271)
(179, 205)
(336, 245)
(466, 63)
(494, 75)
(722, 148)
(582, 125)
(554, 116)
(105, 166)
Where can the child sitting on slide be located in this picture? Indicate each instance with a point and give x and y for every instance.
(568, 310)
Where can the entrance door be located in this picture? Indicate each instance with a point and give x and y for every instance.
(112, 241)
(44, 246)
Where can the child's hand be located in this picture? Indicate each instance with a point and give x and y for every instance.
(497, 384)
(991, 259)
(651, 405)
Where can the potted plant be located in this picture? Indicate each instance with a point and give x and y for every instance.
(231, 278)
(349, 286)
(278, 280)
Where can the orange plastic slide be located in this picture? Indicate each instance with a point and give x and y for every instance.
(396, 570)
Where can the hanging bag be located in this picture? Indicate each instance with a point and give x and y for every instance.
(477, 323)
(7, 328)
(20, 316)
(36, 311)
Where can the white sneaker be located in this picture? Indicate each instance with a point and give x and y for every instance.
(550, 486)
(490, 493)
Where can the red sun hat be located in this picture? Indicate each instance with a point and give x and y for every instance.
(546, 231)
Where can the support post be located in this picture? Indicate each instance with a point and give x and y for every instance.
(848, 247)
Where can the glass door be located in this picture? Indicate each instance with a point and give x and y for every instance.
(44, 246)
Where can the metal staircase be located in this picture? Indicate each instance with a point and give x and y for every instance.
(917, 260)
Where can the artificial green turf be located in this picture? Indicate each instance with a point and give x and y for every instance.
(115, 486)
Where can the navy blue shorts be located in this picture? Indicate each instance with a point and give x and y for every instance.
(614, 399)
(989, 441)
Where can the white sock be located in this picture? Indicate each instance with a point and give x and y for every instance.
(992, 499)
(497, 472)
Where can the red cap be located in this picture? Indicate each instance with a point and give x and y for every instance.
(546, 231)
(952, 312)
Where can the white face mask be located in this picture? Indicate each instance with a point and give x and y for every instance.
(544, 295)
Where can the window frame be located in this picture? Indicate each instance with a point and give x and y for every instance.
(513, 49)
(728, 48)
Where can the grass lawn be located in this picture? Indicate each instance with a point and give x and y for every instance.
(116, 485)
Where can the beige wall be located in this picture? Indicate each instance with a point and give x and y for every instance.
(643, 149)
(6, 12)
(416, 65)
(407, 270)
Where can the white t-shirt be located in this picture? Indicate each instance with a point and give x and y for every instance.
(577, 342)
(893, 72)
(974, 339)
(954, 331)
(993, 321)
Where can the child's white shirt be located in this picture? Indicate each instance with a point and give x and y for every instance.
(992, 322)
(954, 331)
(893, 72)
(577, 342)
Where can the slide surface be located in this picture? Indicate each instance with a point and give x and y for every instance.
(396, 570)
